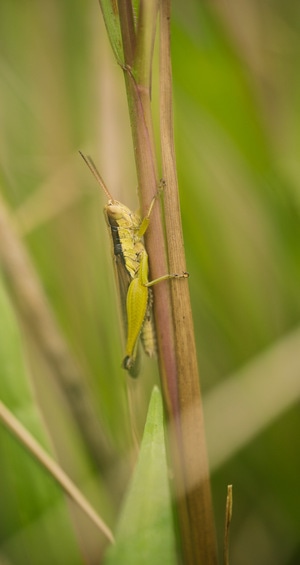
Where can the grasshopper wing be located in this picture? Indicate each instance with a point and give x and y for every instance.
(136, 304)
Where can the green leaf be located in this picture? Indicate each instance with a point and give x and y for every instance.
(145, 532)
(33, 511)
(112, 23)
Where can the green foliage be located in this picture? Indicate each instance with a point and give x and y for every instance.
(111, 19)
(145, 531)
(236, 90)
(33, 508)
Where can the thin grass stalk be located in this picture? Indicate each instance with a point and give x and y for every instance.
(187, 433)
(34, 309)
(26, 438)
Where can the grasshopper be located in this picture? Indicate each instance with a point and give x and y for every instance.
(127, 230)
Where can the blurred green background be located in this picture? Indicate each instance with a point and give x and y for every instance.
(236, 109)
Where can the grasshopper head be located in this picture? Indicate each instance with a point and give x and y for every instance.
(120, 214)
(115, 210)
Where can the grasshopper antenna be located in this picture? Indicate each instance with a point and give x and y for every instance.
(91, 165)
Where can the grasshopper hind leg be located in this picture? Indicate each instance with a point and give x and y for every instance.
(132, 363)
(148, 336)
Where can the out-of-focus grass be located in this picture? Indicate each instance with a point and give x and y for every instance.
(236, 116)
(236, 90)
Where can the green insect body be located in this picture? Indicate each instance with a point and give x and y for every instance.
(131, 257)
(125, 231)
(132, 265)
(136, 306)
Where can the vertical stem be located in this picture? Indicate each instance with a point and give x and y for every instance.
(127, 30)
(138, 92)
(187, 435)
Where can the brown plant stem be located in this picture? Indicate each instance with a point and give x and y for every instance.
(188, 435)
